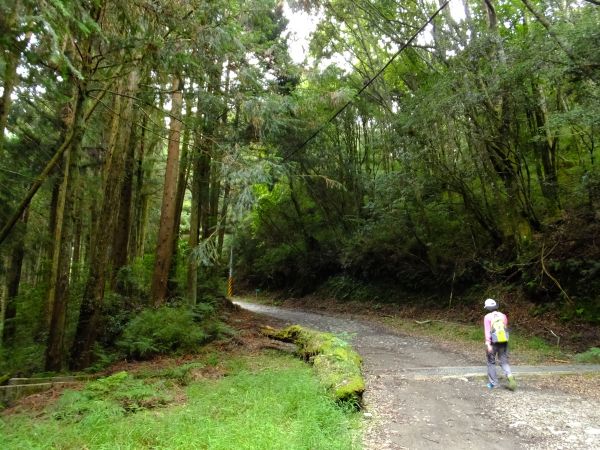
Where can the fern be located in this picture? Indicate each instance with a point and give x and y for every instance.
(160, 331)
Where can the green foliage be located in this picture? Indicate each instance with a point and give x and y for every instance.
(160, 331)
(117, 313)
(104, 357)
(27, 354)
(591, 356)
(144, 333)
(267, 401)
(282, 250)
(135, 280)
(110, 397)
(458, 166)
(480, 158)
(203, 311)
(348, 288)
(22, 360)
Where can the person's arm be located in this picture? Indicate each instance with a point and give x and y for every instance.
(487, 324)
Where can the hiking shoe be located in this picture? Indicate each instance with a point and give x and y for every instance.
(490, 386)
(512, 384)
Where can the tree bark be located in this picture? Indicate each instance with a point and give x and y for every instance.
(182, 180)
(77, 231)
(192, 274)
(166, 233)
(223, 220)
(100, 248)
(7, 24)
(13, 281)
(63, 239)
(127, 140)
(204, 194)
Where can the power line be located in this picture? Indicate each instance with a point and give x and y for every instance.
(368, 83)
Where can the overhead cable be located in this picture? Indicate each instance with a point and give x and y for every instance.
(368, 83)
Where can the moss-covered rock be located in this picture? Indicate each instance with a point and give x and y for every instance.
(337, 365)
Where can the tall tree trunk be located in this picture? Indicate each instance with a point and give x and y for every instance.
(166, 232)
(223, 220)
(63, 239)
(3, 299)
(11, 61)
(141, 198)
(204, 195)
(182, 180)
(184, 171)
(215, 193)
(546, 150)
(13, 281)
(192, 272)
(56, 180)
(78, 231)
(127, 142)
(103, 234)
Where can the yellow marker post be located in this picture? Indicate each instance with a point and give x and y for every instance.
(230, 279)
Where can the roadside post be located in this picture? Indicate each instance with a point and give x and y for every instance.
(230, 279)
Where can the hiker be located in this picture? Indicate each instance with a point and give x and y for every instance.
(495, 326)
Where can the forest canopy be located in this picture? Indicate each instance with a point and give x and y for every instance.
(145, 144)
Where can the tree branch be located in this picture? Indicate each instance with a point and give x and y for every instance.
(546, 24)
(7, 228)
(544, 270)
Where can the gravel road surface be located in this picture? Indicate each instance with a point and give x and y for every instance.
(420, 396)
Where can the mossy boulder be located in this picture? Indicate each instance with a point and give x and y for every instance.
(337, 365)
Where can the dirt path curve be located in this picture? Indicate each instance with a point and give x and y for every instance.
(423, 397)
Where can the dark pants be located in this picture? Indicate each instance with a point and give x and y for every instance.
(502, 351)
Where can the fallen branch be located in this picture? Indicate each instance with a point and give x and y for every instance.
(423, 322)
(544, 270)
(556, 336)
(337, 365)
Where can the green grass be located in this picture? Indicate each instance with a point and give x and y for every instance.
(269, 401)
(591, 356)
(524, 349)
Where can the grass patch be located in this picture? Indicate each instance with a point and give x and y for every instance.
(269, 401)
(592, 356)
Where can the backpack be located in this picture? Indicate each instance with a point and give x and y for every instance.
(498, 330)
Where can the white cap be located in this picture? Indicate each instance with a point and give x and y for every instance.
(490, 303)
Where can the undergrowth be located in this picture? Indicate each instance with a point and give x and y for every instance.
(269, 401)
(592, 356)
(167, 330)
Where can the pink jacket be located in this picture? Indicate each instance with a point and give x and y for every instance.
(487, 324)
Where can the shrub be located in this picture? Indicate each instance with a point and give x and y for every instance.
(591, 356)
(135, 279)
(22, 360)
(162, 330)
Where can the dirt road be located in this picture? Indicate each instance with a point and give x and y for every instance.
(420, 396)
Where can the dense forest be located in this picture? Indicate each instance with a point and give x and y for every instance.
(147, 144)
